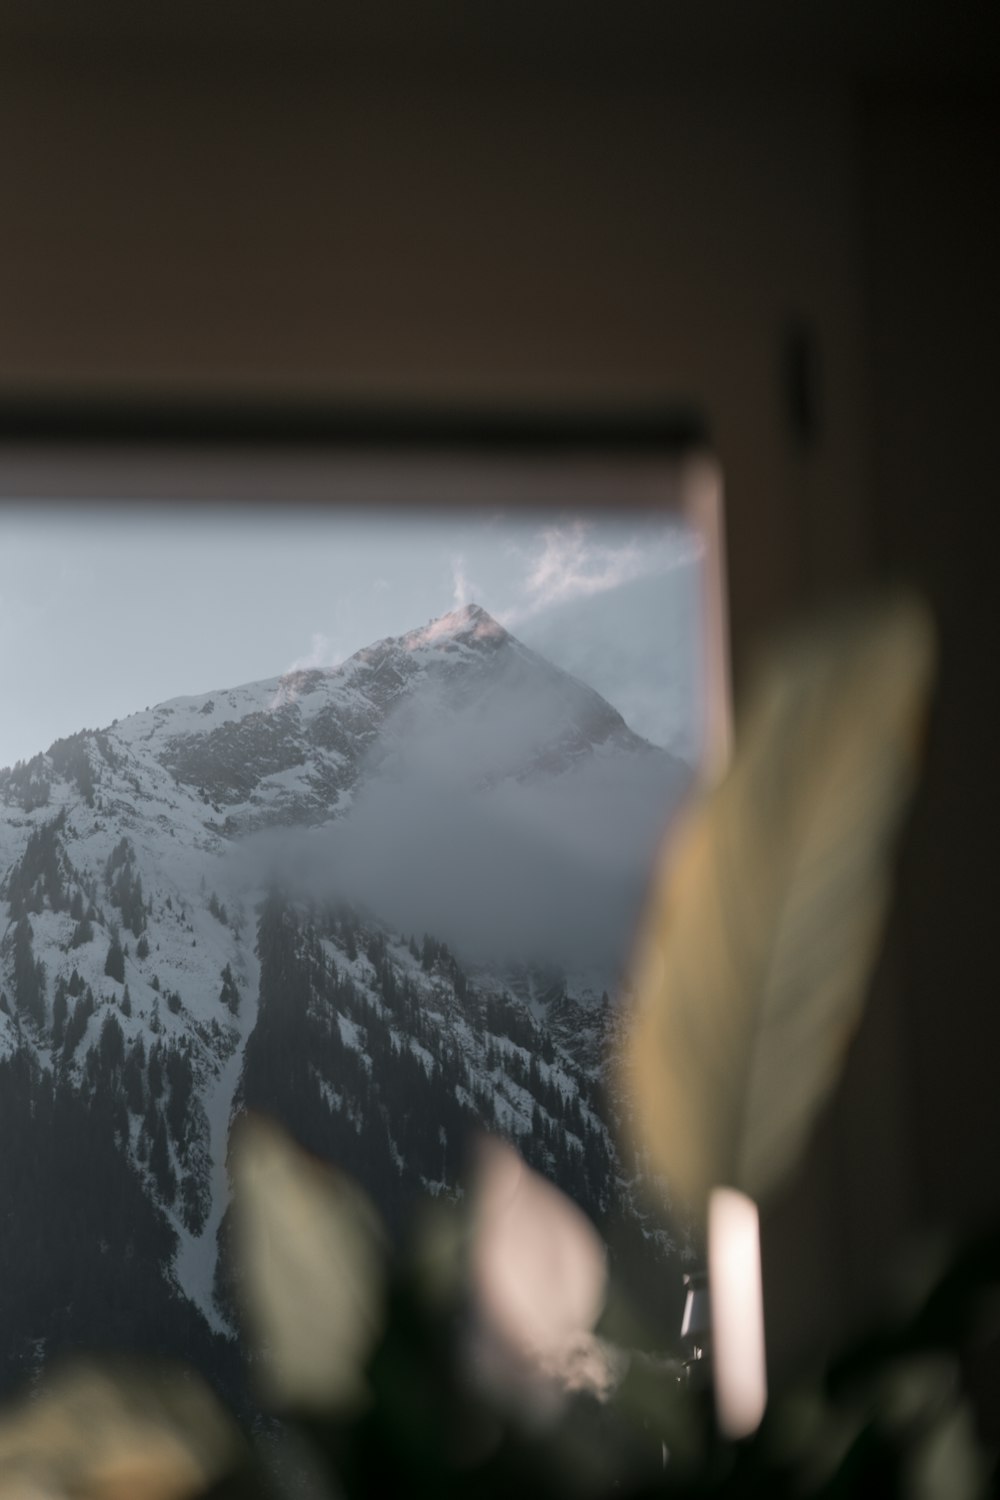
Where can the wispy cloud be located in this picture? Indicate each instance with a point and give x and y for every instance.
(570, 563)
(462, 586)
(320, 654)
(320, 657)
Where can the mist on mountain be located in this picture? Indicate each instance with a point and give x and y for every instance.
(514, 814)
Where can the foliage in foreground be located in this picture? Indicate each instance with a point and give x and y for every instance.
(431, 1373)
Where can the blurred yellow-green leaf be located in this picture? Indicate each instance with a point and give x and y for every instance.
(116, 1431)
(312, 1268)
(764, 922)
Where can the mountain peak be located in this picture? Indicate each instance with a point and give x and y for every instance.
(471, 614)
(470, 622)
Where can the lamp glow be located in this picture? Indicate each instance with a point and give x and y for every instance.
(737, 1311)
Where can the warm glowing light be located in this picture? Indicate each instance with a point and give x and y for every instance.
(737, 1308)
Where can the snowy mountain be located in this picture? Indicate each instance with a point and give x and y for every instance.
(383, 902)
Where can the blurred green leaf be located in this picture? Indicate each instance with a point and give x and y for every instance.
(765, 920)
(311, 1255)
(117, 1431)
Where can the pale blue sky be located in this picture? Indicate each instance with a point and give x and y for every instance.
(103, 611)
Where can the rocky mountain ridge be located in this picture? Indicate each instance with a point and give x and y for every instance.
(160, 968)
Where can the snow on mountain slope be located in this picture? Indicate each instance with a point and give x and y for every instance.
(460, 696)
(449, 781)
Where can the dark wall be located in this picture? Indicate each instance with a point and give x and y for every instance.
(906, 1160)
(935, 331)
